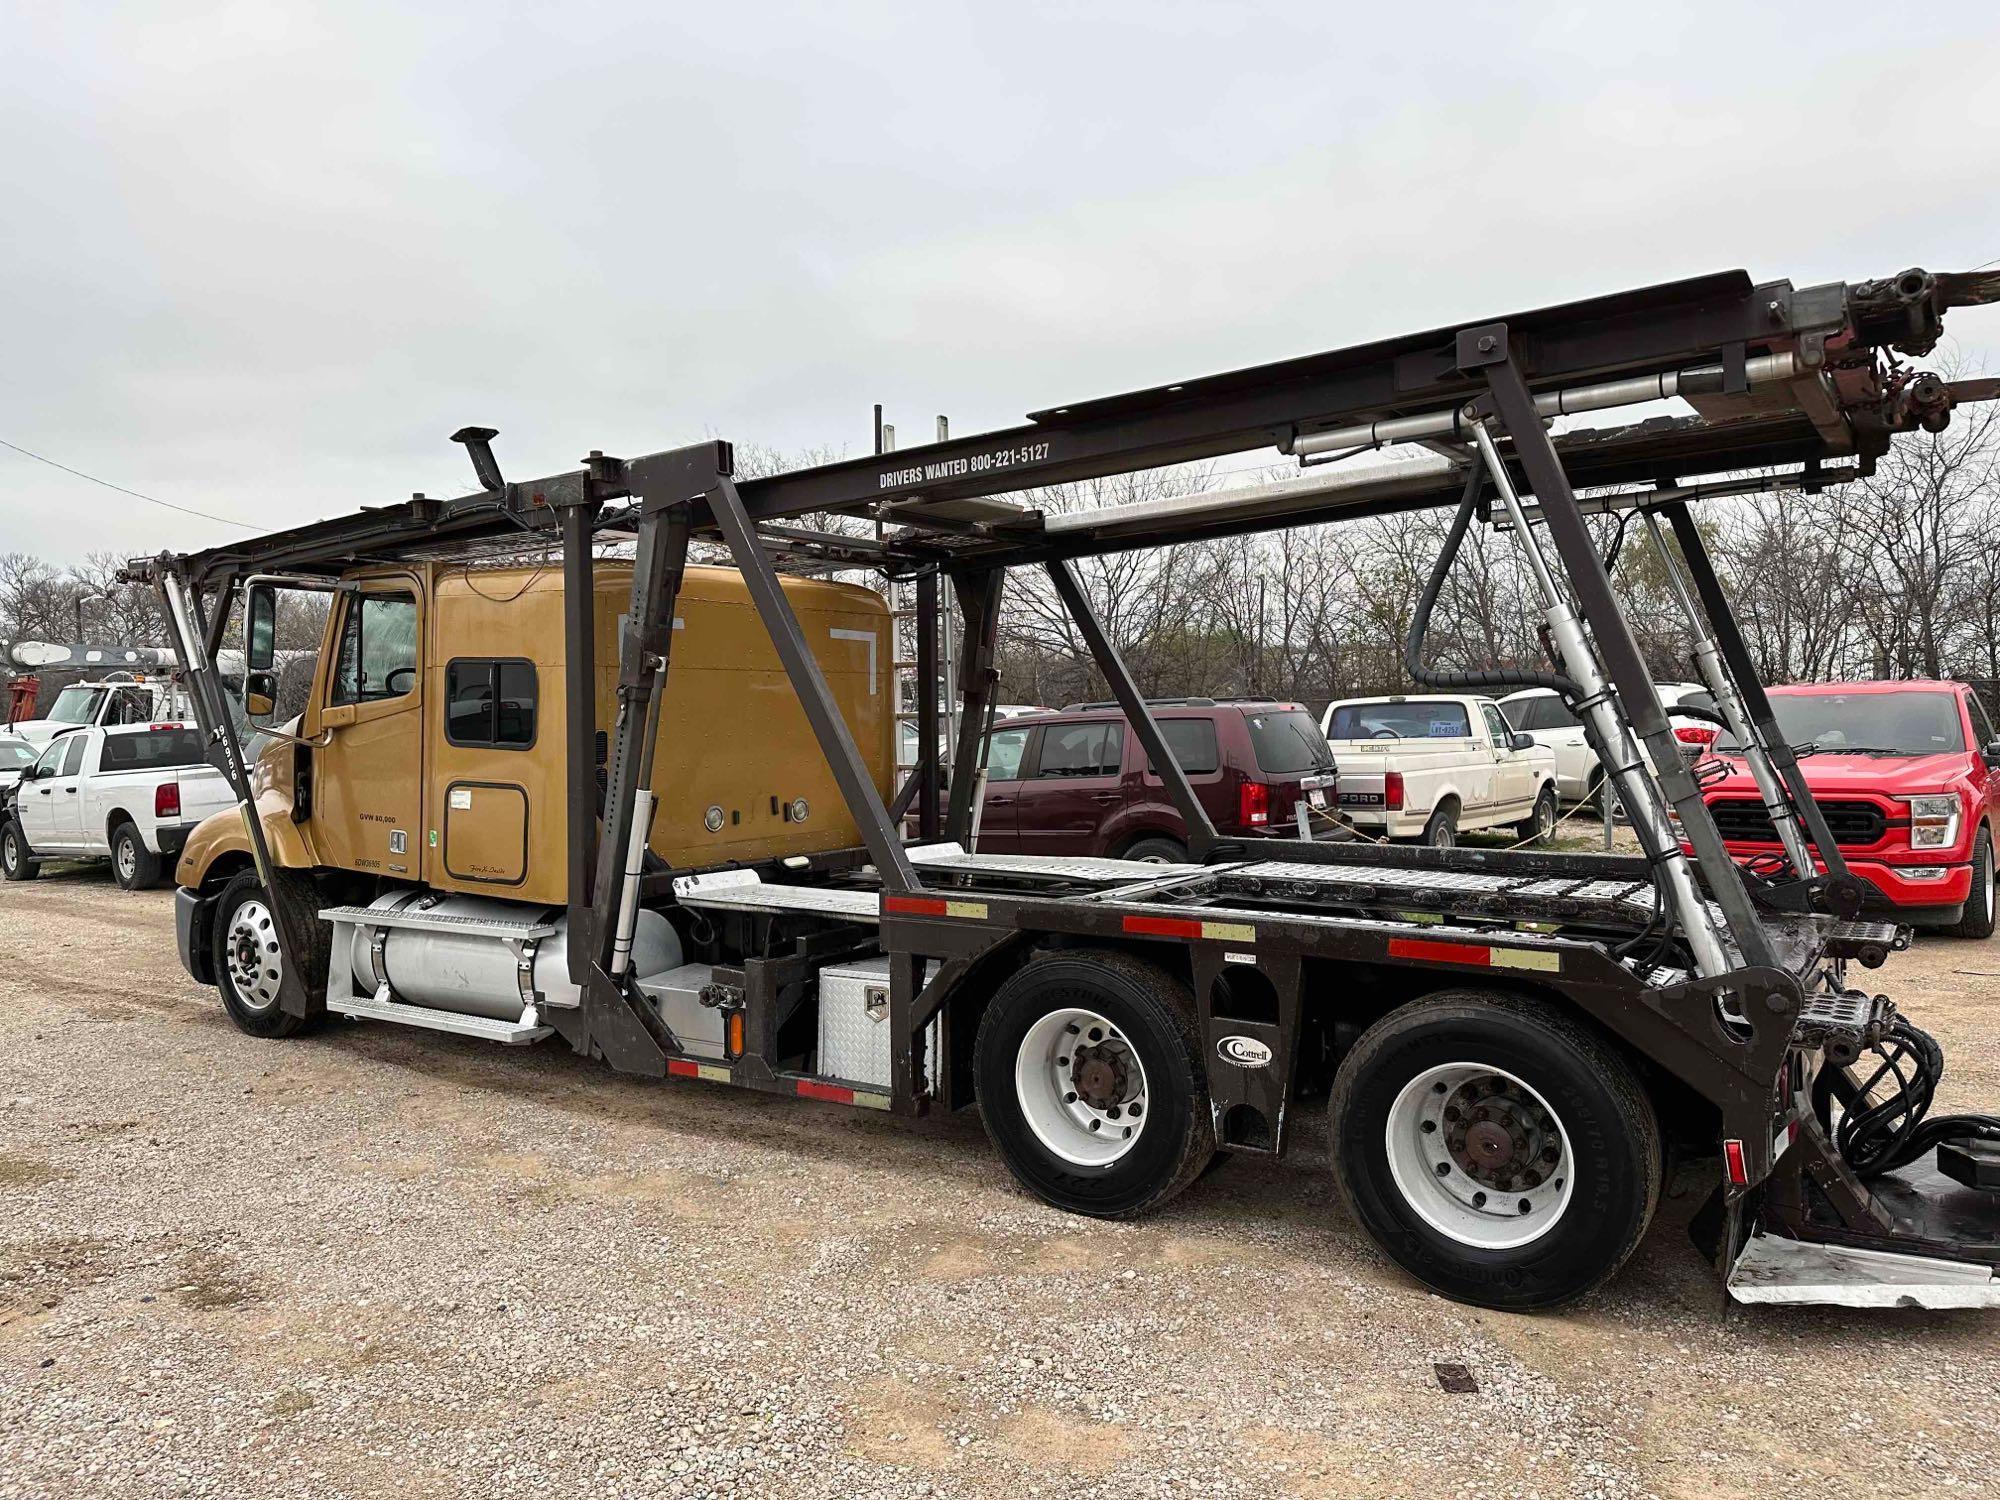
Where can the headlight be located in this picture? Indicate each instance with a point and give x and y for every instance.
(1933, 821)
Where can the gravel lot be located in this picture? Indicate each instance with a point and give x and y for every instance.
(376, 1262)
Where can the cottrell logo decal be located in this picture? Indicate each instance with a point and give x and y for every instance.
(1244, 1051)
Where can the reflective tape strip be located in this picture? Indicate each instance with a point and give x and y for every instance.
(682, 1067)
(1478, 955)
(933, 906)
(1543, 960)
(833, 1093)
(1732, 1157)
(1189, 927)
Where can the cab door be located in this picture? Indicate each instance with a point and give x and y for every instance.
(367, 804)
(1513, 770)
(50, 805)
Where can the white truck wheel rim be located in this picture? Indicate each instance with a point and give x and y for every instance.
(251, 953)
(1479, 1156)
(1081, 1087)
(127, 860)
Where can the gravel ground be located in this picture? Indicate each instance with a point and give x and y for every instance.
(379, 1262)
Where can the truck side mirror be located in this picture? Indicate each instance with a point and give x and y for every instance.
(1991, 754)
(1520, 741)
(260, 629)
(260, 694)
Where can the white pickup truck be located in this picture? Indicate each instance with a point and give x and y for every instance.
(130, 795)
(1431, 767)
(123, 699)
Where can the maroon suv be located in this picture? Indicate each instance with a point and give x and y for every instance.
(1077, 782)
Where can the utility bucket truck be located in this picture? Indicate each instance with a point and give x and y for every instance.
(645, 810)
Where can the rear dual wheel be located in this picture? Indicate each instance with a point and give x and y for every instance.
(1495, 1148)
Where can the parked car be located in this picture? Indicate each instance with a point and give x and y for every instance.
(1542, 714)
(1432, 766)
(130, 795)
(1905, 774)
(1076, 782)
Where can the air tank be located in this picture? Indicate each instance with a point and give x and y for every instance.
(474, 972)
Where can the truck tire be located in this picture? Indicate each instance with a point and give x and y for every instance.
(1540, 825)
(133, 865)
(249, 965)
(17, 861)
(1089, 1073)
(1441, 832)
(1157, 851)
(1977, 919)
(1495, 1148)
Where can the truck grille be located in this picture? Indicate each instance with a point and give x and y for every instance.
(1744, 821)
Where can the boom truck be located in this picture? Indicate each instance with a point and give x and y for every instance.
(647, 809)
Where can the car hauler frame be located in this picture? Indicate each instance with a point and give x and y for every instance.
(1710, 1003)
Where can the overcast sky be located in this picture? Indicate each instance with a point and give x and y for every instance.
(261, 259)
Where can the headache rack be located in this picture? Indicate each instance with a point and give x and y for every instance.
(1717, 974)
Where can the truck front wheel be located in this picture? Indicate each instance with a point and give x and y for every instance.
(1090, 1080)
(16, 861)
(250, 964)
(1495, 1149)
(1977, 919)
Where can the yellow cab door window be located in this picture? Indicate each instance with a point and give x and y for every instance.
(368, 786)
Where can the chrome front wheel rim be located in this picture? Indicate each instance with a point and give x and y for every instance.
(1081, 1087)
(1479, 1156)
(252, 957)
(127, 860)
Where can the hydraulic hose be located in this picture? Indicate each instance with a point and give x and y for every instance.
(1413, 649)
(1881, 1131)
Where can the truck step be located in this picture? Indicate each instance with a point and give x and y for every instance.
(511, 1033)
(418, 920)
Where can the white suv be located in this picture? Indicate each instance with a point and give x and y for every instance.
(1541, 713)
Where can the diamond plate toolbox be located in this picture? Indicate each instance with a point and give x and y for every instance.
(854, 1023)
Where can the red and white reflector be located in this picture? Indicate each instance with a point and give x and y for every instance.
(1732, 1159)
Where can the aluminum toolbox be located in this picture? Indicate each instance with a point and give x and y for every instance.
(854, 1023)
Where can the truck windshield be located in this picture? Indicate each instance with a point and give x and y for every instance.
(1386, 720)
(76, 705)
(1920, 721)
(1286, 743)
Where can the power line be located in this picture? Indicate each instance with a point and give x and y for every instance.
(184, 510)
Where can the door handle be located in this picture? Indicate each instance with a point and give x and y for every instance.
(1105, 796)
(71, 790)
(45, 791)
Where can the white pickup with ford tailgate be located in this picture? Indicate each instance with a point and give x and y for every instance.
(130, 795)
(1432, 767)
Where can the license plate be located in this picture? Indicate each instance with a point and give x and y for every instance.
(1316, 797)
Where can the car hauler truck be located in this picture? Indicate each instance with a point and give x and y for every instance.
(644, 808)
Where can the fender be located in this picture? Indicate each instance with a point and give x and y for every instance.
(224, 833)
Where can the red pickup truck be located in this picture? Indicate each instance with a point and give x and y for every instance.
(1906, 775)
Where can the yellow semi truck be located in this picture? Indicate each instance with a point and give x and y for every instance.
(523, 805)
